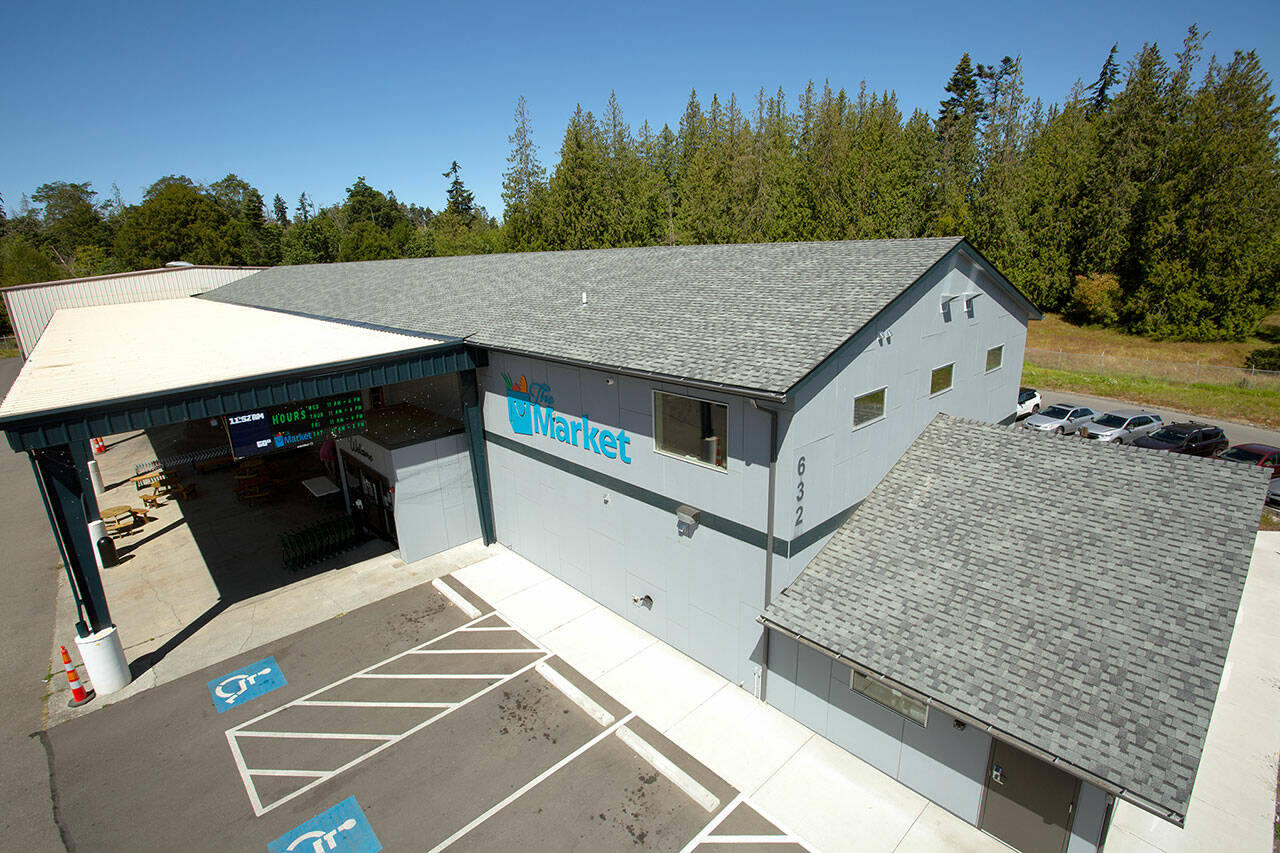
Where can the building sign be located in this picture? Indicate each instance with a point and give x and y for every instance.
(529, 408)
(294, 425)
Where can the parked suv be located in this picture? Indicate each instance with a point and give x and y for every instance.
(1255, 454)
(1028, 402)
(1121, 427)
(1190, 438)
(1062, 418)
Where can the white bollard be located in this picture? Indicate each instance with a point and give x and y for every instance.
(96, 477)
(104, 661)
(97, 529)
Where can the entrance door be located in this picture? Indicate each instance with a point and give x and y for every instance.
(1029, 803)
(372, 498)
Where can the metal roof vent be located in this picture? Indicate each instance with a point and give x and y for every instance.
(179, 264)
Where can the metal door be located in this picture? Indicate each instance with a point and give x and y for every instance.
(1029, 803)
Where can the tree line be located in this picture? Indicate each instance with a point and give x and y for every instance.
(1147, 200)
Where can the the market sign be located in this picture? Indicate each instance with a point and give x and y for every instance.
(529, 409)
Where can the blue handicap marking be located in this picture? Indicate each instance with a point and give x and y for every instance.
(341, 829)
(248, 682)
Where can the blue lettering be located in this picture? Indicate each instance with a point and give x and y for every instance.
(562, 429)
(589, 438)
(577, 428)
(623, 441)
(608, 444)
(542, 420)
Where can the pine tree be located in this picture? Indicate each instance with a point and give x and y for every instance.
(280, 209)
(575, 195)
(523, 185)
(462, 202)
(302, 213)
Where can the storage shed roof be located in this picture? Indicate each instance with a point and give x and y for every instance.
(1077, 596)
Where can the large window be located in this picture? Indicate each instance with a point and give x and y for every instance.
(696, 430)
(913, 709)
(995, 357)
(940, 379)
(868, 408)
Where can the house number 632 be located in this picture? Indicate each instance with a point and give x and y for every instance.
(800, 492)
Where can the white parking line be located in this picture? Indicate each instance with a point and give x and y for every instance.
(668, 768)
(704, 836)
(316, 735)
(531, 784)
(429, 676)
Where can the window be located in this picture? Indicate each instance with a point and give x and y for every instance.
(913, 709)
(868, 408)
(691, 429)
(940, 379)
(995, 357)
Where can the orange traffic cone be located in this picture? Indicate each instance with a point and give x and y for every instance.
(98, 446)
(78, 694)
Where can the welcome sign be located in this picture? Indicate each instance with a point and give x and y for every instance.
(530, 411)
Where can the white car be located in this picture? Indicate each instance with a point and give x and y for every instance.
(1028, 402)
(1121, 427)
(1062, 418)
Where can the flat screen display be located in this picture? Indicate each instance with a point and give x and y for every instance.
(294, 425)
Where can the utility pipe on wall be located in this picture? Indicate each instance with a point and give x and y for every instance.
(768, 541)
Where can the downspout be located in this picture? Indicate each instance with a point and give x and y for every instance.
(768, 541)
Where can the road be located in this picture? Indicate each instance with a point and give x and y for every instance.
(28, 572)
(1236, 433)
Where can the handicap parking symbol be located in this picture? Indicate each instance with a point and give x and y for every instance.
(341, 829)
(248, 682)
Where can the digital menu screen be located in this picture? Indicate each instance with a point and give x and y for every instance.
(294, 425)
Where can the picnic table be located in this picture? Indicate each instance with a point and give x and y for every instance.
(121, 520)
(140, 481)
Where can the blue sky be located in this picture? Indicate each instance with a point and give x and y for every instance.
(296, 97)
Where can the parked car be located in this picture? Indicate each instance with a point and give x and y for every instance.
(1273, 494)
(1028, 402)
(1191, 438)
(1255, 454)
(1062, 418)
(1121, 427)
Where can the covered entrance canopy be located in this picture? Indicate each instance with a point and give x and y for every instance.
(108, 369)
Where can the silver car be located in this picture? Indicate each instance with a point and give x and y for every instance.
(1062, 418)
(1121, 427)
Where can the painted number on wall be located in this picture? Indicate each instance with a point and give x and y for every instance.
(800, 493)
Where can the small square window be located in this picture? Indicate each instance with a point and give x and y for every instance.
(868, 408)
(940, 379)
(895, 700)
(995, 358)
(691, 429)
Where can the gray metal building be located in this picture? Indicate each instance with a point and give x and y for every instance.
(679, 431)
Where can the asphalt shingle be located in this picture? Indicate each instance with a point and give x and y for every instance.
(1076, 595)
(756, 316)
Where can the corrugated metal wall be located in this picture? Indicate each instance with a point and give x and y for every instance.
(31, 306)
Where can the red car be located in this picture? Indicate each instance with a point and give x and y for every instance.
(1255, 454)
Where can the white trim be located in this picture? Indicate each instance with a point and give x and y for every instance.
(678, 777)
(998, 366)
(653, 419)
(884, 408)
(951, 385)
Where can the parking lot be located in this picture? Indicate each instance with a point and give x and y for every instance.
(426, 719)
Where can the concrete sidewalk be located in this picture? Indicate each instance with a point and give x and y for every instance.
(801, 780)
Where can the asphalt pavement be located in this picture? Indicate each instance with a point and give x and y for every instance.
(28, 571)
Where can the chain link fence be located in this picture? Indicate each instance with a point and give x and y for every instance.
(1173, 371)
(8, 342)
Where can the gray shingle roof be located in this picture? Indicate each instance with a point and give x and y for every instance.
(1078, 596)
(755, 316)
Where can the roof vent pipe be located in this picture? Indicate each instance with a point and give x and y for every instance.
(584, 297)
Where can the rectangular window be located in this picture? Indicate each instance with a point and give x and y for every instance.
(995, 357)
(913, 709)
(691, 429)
(940, 379)
(868, 408)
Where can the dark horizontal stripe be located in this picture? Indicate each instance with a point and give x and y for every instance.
(741, 532)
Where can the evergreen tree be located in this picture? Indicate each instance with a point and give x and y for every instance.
(575, 197)
(461, 201)
(523, 186)
(281, 210)
(302, 213)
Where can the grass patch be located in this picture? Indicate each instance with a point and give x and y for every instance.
(1055, 333)
(1257, 406)
(1271, 521)
(8, 353)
